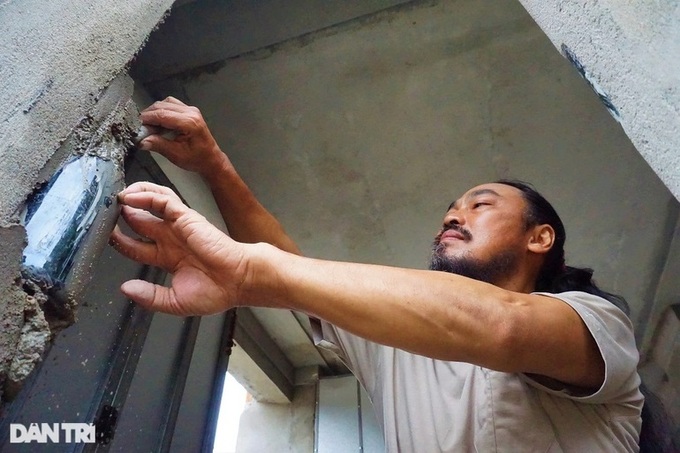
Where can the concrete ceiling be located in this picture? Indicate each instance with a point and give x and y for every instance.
(201, 33)
(356, 123)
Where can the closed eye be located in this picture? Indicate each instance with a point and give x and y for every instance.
(481, 203)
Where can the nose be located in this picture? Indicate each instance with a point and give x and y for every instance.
(453, 217)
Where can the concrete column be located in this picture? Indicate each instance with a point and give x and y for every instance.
(56, 59)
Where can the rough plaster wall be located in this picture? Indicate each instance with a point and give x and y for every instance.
(632, 51)
(359, 139)
(56, 59)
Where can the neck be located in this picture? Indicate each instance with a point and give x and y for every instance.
(522, 281)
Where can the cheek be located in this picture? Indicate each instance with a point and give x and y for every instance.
(488, 243)
(497, 235)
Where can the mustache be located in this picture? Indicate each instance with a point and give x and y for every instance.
(457, 228)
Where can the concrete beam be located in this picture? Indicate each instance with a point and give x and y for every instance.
(286, 331)
(258, 363)
(231, 28)
(629, 53)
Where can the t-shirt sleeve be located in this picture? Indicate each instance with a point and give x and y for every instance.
(361, 356)
(613, 334)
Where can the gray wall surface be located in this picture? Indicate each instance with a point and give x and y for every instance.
(282, 428)
(631, 52)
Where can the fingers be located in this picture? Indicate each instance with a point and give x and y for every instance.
(151, 296)
(173, 100)
(145, 186)
(142, 222)
(162, 145)
(139, 291)
(173, 114)
(170, 117)
(157, 199)
(154, 198)
(165, 206)
(170, 103)
(135, 249)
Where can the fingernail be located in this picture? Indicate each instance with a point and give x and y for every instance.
(112, 241)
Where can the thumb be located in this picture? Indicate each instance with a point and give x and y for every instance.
(148, 295)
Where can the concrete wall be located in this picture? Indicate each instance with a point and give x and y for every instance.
(286, 428)
(667, 292)
(56, 59)
(631, 52)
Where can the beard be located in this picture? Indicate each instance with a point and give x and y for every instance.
(493, 270)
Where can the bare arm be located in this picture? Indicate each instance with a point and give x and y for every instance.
(435, 314)
(438, 315)
(195, 149)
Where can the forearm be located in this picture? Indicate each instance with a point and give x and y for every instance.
(246, 219)
(438, 315)
(435, 314)
(194, 148)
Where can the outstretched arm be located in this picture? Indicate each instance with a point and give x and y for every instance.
(436, 314)
(195, 149)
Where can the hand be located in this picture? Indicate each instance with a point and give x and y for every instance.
(208, 267)
(193, 148)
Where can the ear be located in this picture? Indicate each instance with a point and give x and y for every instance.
(541, 239)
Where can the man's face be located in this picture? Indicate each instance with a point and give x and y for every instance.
(483, 235)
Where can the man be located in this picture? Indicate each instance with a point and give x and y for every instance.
(467, 356)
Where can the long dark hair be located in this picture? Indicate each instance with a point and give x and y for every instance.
(556, 277)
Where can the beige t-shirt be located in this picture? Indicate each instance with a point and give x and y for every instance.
(426, 405)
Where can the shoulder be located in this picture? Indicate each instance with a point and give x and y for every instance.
(613, 333)
(595, 311)
(583, 298)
